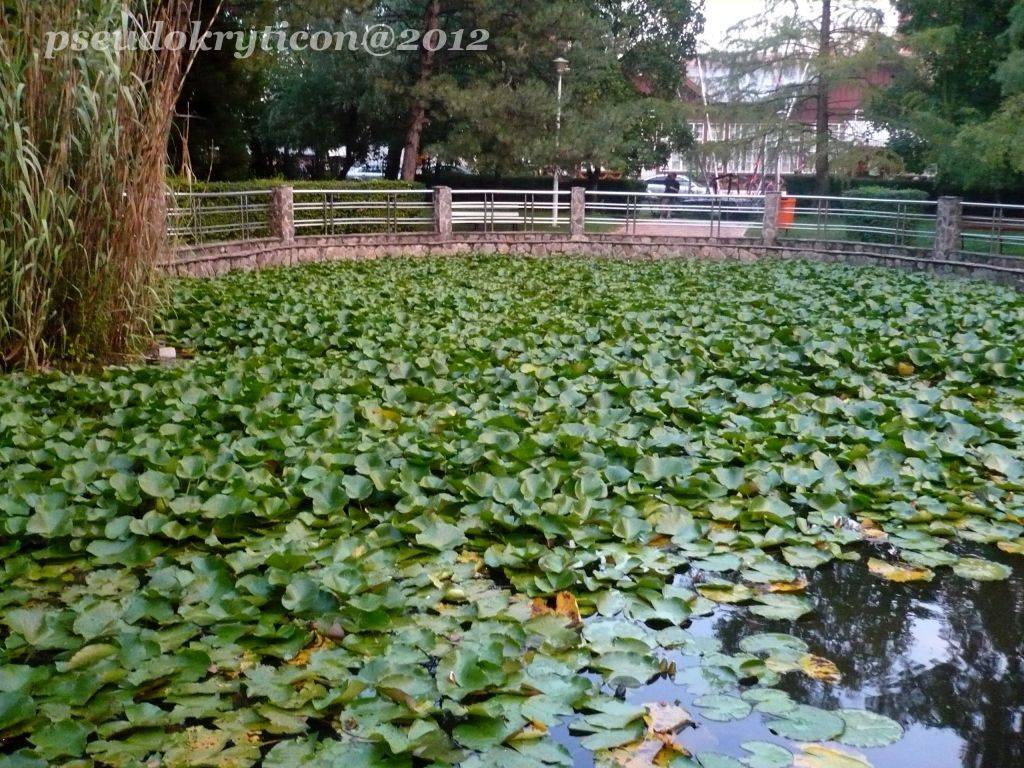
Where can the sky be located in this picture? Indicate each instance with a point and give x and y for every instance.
(722, 14)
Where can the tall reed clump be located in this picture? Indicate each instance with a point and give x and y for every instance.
(83, 142)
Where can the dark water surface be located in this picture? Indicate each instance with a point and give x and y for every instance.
(944, 659)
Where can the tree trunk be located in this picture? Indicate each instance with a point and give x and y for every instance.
(418, 115)
(821, 163)
(393, 163)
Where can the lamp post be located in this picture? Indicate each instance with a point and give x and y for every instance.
(561, 67)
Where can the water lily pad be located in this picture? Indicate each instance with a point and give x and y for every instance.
(774, 644)
(1012, 547)
(764, 754)
(769, 701)
(722, 707)
(821, 756)
(868, 729)
(981, 570)
(724, 592)
(781, 606)
(717, 760)
(806, 723)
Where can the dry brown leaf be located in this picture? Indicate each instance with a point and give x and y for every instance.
(642, 754)
(797, 585)
(820, 756)
(899, 572)
(666, 718)
(870, 530)
(566, 605)
(539, 607)
(301, 659)
(820, 668)
(1012, 547)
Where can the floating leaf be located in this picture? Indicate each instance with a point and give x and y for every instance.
(899, 572)
(1012, 547)
(867, 729)
(806, 723)
(981, 570)
(666, 718)
(722, 707)
(821, 756)
(781, 606)
(820, 668)
(764, 754)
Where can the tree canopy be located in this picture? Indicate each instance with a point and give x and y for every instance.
(493, 109)
(957, 104)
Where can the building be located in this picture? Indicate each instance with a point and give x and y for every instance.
(754, 128)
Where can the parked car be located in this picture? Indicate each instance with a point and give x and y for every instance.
(687, 186)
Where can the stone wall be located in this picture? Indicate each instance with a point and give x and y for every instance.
(261, 254)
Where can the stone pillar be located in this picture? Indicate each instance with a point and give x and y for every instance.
(443, 212)
(282, 214)
(949, 228)
(578, 213)
(770, 227)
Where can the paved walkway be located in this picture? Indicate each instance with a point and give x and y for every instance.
(669, 228)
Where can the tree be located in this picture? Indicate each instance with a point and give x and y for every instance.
(326, 101)
(220, 107)
(793, 56)
(496, 108)
(957, 102)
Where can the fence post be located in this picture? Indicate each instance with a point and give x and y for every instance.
(578, 213)
(949, 227)
(770, 227)
(443, 212)
(282, 214)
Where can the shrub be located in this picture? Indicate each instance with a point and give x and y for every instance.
(897, 220)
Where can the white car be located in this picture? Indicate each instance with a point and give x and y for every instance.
(687, 186)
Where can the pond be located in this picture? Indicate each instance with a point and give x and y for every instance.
(498, 513)
(944, 659)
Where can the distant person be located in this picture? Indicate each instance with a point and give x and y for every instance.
(672, 189)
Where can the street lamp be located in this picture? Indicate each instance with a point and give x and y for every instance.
(561, 67)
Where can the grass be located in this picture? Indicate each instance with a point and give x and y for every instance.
(422, 512)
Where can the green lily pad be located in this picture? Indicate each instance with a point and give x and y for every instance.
(722, 707)
(806, 723)
(981, 570)
(867, 729)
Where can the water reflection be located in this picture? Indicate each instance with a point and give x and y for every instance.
(945, 660)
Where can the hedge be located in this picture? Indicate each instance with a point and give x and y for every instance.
(532, 183)
(878, 216)
(799, 184)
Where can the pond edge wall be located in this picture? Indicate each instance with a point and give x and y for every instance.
(220, 258)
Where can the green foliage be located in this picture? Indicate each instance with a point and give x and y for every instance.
(876, 216)
(362, 524)
(956, 103)
(82, 160)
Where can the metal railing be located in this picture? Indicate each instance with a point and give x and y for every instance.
(358, 211)
(993, 229)
(501, 210)
(683, 215)
(202, 217)
(909, 223)
(987, 230)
